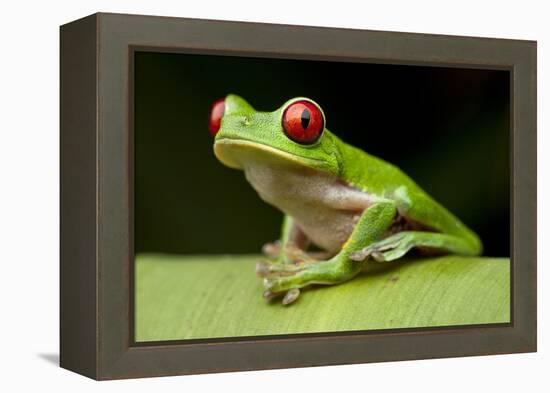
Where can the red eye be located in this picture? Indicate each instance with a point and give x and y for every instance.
(303, 122)
(216, 114)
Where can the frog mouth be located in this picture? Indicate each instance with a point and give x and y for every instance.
(237, 153)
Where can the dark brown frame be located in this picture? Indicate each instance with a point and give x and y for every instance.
(97, 195)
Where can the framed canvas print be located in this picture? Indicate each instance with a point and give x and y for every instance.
(240, 196)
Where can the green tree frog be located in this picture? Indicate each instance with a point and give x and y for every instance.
(352, 206)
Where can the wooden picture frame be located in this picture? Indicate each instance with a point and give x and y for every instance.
(96, 142)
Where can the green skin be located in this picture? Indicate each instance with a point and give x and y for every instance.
(353, 206)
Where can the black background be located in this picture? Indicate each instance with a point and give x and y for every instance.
(447, 128)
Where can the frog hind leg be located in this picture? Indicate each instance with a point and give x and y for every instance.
(373, 223)
(397, 245)
(446, 232)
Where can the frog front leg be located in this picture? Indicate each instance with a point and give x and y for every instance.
(291, 241)
(289, 278)
(291, 248)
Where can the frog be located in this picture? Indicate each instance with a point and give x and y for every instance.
(343, 208)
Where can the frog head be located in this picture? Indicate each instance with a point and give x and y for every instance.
(292, 135)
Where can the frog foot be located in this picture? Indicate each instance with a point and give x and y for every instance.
(297, 256)
(384, 250)
(273, 272)
(290, 253)
(287, 279)
(278, 268)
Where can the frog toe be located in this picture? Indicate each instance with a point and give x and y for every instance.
(272, 250)
(291, 296)
(268, 295)
(268, 269)
(380, 252)
(296, 255)
(263, 269)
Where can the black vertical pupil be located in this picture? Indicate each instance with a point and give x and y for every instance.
(305, 118)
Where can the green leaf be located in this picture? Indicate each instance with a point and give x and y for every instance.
(183, 297)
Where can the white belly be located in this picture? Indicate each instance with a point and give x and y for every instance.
(324, 208)
(328, 229)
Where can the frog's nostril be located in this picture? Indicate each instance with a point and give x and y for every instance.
(216, 114)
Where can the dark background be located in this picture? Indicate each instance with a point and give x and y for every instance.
(447, 128)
